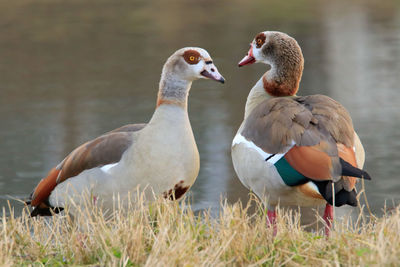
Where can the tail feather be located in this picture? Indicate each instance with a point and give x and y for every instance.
(350, 170)
(47, 211)
(28, 200)
(341, 195)
(43, 209)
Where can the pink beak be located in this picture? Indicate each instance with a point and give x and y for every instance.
(248, 59)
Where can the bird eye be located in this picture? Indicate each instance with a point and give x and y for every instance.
(259, 42)
(260, 39)
(191, 56)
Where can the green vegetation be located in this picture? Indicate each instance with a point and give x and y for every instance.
(165, 233)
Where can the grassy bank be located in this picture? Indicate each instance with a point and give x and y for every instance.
(166, 234)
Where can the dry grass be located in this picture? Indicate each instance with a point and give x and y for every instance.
(168, 234)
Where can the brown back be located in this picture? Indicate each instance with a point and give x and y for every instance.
(315, 124)
(275, 123)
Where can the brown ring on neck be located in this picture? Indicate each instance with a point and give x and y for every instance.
(274, 88)
(163, 101)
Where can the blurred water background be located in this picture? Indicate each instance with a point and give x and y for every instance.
(72, 70)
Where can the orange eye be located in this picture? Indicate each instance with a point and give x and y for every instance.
(191, 58)
(260, 39)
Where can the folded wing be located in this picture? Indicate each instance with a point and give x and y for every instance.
(104, 150)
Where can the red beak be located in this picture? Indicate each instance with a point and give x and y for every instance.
(248, 59)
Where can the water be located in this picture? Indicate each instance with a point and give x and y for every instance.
(70, 71)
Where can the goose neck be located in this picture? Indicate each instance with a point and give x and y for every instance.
(173, 91)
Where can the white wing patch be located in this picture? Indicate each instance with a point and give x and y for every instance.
(271, 158)
(107, 168)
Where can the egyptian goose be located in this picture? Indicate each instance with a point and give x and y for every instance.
(159, 157)
(291, 149)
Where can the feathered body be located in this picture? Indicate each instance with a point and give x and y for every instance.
(157, 158)
(290, 149)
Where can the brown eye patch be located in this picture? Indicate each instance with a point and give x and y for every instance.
(191, 56)
(260, 39)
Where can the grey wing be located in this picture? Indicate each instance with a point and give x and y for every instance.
(332, 116)
(276, 123)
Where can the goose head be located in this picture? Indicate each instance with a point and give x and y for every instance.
(285, 58)
(192, 63)
(271, 47)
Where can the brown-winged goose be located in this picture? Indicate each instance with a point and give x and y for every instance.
(159, 157)
(290, 149)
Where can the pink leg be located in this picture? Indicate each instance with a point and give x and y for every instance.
(271, 220)
(82, 239)
(328, 217)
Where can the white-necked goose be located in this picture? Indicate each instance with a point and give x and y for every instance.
(290, 149)
(160, 156)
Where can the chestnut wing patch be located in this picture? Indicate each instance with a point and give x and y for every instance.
(44, 188)
(313, 162)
